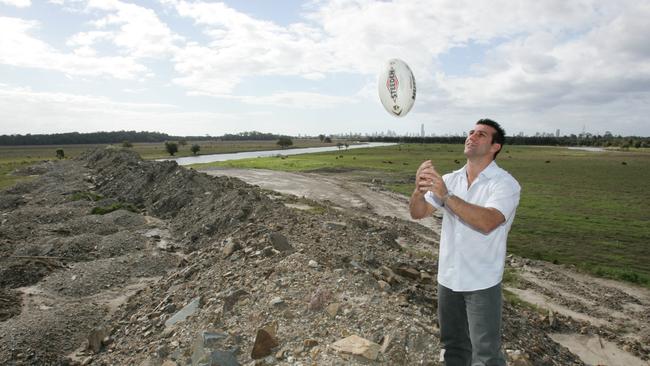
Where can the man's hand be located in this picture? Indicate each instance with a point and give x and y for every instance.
(424, 182)
(428, 179)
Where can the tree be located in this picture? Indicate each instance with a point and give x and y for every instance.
(284, 142)
(339, 145)
(171, 147)
(346, 145)
(182, 142)
(60, 154)
(195, 148)
(327, 140)
(321, 137)
(126, 143)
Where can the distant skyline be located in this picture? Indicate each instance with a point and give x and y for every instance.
(310, 67)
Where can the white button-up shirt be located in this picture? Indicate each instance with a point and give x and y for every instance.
(470, 260)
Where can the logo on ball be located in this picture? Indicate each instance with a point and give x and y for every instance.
(396, 95)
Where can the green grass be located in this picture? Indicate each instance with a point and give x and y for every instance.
(589, 209)
(103, 210)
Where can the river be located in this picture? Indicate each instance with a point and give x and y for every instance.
(259, 154)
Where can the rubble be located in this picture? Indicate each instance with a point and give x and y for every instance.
(211, 271)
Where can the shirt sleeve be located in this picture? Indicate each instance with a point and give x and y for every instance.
(432, 199)
(505, 196)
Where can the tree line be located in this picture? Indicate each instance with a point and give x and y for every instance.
(606, 140)
(72, 138)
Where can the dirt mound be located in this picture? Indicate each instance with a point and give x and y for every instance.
(113, 260)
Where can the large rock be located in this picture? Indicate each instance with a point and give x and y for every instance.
(357, 346)
(280, 242)
(185, 312)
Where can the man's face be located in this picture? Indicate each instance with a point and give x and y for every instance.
(479, 141)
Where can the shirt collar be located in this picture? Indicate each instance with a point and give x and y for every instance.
(489, 172)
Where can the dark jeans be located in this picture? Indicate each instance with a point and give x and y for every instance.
(470, 326)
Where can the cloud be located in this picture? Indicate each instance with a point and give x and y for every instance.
(24, 109)
(135, 30)
(19, 48)
(299, 100)
(17, 3)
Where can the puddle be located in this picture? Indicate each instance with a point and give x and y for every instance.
(594, 350)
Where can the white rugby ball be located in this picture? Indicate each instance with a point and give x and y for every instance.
(397, 87)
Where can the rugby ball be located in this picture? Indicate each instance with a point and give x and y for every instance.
(396, 87)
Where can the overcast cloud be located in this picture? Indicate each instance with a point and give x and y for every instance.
(195, 68)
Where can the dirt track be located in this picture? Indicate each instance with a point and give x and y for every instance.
(81, 287)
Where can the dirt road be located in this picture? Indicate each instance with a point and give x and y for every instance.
(342, 189)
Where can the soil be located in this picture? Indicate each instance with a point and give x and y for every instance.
(191, 267)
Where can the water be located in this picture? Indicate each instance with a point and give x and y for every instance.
(259, 154)
(587, 148)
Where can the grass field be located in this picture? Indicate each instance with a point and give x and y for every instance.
(13, 157)
(589, 209)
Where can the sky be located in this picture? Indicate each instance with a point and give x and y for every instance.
(311, 67)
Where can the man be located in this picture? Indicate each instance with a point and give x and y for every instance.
(478, 203)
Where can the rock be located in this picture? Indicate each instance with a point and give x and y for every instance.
(518, 358)
(334, 225)
(309, 343)
(333, 309)
(313, 264)
(96, 338)
(185, 312)
(280, 242)
(169, 308)
(425, 277)
(408, 272)
(264, 343)
(231, 299)
(358, 346)
(319, 299)
(383, 285)
(231, 247)
(276, 302)
(168, 363)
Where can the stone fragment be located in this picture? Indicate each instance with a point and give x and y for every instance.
(276, 302)
(383, 285)
(223, 358)
(333, 309)
(231, 247)
(264, 344)
(312, 263)
(425, 277)
(280, 242)
(408, 272)
(232, 298)
(96, 338)
(319, 299)
(185, 312)
(168, 363)
(358, 346)
(334, 225)
(309, 343)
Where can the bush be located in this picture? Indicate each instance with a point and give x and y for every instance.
(284, 142)
(171, 147)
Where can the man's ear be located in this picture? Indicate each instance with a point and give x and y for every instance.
(495, 147)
